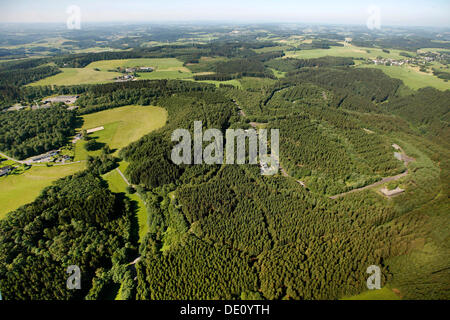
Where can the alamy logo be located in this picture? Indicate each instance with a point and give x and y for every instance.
(374, 20)
(74, 281)
(214, 152)
(374, 281)
(74, 20)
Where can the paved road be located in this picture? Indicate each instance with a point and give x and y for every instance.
(39, 164)
(9, 158)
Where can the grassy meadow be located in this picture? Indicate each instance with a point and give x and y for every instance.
(121, 126)
(411, 77)
(118, 185)
(105, 71)
(17, 190)
(384, 293)
(74, 76)
(347, 51)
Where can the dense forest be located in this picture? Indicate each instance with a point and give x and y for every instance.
(77, 221)
(289, 64)
(27, 133)
(291, 235)
(226, 231)
(428, 110)
(23, 76)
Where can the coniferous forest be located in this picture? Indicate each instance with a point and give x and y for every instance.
(226, 231)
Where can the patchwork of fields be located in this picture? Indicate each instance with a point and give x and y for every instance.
(347, 51)
(411, 77)
(106, 71)
(122, 126)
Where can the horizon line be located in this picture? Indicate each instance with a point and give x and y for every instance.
(229, 22)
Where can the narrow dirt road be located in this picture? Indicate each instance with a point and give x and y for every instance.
(9, 158)
(384, 180)
(123, 176)
(406, 161)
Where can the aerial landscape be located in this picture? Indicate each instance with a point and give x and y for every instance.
(120, 178)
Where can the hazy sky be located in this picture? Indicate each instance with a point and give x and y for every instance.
(400, 12)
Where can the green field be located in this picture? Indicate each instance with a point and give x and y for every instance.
(413, 78)
(165, 68)
(158, 64)
(383, 294)
(17, 190)
(122, 126)
(347, 51)
(74, 76)
(118, 185)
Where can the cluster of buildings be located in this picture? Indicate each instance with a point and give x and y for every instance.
(5, 170)
(45, 157)
(139, 69)
(47, 103)
(129, 73)
(125, 77)
(68, 100)
(433, 56)
(59, 99)
(389, 62)
(51, 156)
(420, 59)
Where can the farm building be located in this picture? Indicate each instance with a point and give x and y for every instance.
(65, 99)
(124, 78)
(95, 129)
(5, 170)
(146, 69)
(46, 157)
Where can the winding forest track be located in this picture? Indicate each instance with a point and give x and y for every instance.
(384, 180)
(406, 161)
(123, 177)
(9, 158)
